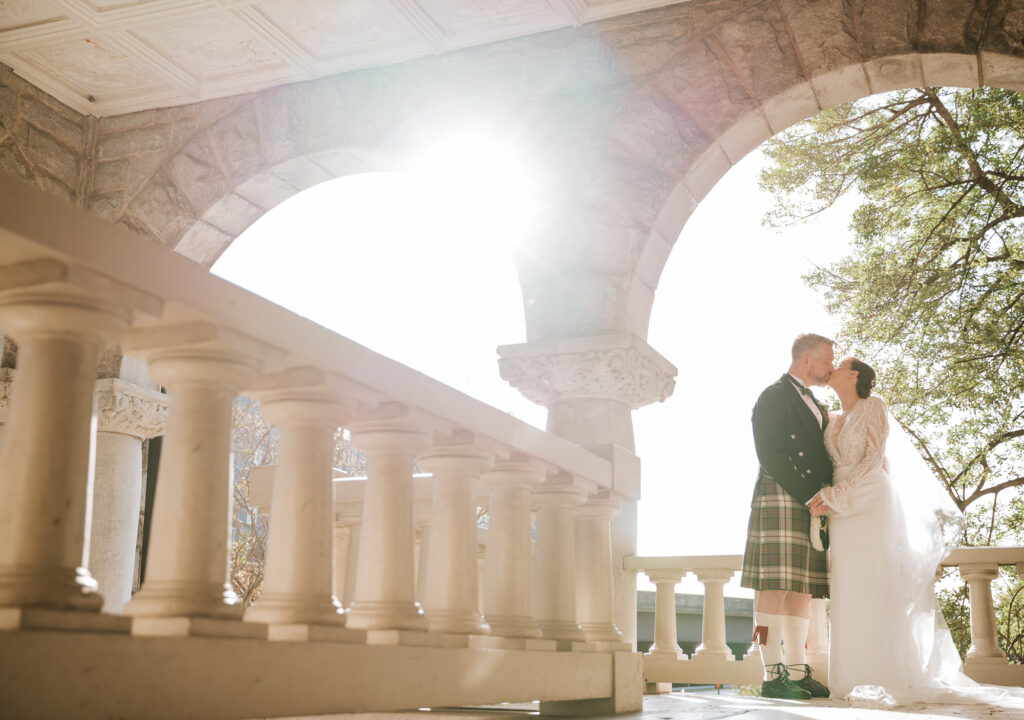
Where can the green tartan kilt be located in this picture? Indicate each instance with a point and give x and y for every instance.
(778, 555)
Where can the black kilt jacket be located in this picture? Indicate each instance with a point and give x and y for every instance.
(789, 443)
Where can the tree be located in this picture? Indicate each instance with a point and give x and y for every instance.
(931, 293)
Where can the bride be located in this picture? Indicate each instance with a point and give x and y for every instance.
(888, 644)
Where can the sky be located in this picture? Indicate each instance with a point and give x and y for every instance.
(381, 258)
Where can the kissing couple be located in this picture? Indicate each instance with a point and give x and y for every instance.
(886, 522)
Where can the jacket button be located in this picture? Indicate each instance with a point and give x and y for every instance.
(792, 437)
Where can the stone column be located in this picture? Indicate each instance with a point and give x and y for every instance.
(452, 599)
(665, 639)
(713, 630)
(554, 563)
(590, 385)
(298, 583)
(126, 414)
(595, 605)
(385, 592)
(984, 635)
(61, 323)
(348, 518)
(422, 515)
(203, 367)
(508, 568)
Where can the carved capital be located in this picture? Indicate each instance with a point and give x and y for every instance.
(620, 367)
(130, 409)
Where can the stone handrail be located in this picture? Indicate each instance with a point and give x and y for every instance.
(713, 662)
(72, 284)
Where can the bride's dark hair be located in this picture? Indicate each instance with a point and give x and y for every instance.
(865, 377)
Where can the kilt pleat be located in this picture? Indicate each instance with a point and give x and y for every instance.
(778, 553)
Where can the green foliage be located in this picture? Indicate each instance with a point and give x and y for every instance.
(932, 292)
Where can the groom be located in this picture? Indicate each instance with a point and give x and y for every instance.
(779, 562)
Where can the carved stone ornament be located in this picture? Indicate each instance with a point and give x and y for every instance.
(130, 409)
(620, 367)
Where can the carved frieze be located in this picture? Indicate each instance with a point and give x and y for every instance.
(130, 409)
(620, 367)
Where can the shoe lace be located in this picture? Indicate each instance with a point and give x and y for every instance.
(778, 671)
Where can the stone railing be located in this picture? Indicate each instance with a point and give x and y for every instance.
(714, 662)
(71, 284)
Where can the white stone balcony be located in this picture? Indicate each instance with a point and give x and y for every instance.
(347, 622)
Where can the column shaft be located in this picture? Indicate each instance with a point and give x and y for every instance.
(713, 628)
(554, 587)
(984, 633)
(385, 592)
(187, 565)
(595, 594)
(665, 642)
(508, 566)
(452, 598)
(298, 586)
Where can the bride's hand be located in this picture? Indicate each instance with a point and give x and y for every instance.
(817, 506)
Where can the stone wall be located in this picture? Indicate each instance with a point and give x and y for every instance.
(635, 117)
(43, 141)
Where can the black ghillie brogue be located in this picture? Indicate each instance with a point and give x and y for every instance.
(808, 683)
(780, 686)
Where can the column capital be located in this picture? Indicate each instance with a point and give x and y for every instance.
(467, 458)
(617, 366)
(665, 576)
(308, 395)
(129, 409)
(706, 575)
(979, 571)
(549, 495)
(392, 427)
(600, 507)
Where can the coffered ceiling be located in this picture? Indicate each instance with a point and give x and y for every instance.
(106, 57)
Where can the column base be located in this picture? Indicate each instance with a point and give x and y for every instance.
(601, 632)
(53, 587)
(62, 620)
(176, 599)
(304, 632)
(196, 627)
(371, 615)
(416, 638)
(496, 642)
(513, 626)
(676, 654)
(986, 660)
(717, 655)
(295, 609)
(456, 621)
(560, 630)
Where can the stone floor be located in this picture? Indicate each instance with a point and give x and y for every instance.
(711, 706)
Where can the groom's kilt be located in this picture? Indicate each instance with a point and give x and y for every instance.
(779, 555)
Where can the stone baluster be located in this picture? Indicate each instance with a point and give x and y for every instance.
(422, 509)
(451, 599)
(384, 596)
(507, 572)
(595, 594)
(984, 639)
(61, 316)
(554, 586)
(348, 517)
(666, 643)
(307, 406)
(126, 414)
(713, 629)
(203, 366)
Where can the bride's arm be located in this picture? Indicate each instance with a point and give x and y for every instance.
(876, 430)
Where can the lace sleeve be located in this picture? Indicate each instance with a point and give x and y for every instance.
(875, 428)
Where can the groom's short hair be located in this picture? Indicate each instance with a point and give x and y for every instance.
(808, 342)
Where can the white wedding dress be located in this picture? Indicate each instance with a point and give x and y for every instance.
(888, 645)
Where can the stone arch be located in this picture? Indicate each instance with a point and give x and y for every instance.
(768, 67)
